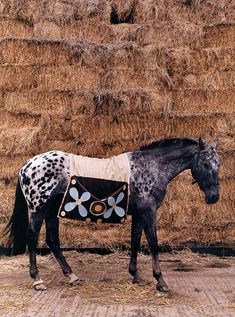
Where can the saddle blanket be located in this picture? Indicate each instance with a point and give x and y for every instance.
(95, 200)
(98, 190)
(115, 168)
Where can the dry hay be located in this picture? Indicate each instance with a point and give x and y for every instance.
(34, 102)
(106, 281)
(47, 19)
(11, 305)
(33, 11)
(163, 33)
(96, 21)
(203, 101)
(18, 77)
(131, 11)
(32, 52)
(195, 11)
(124, 292)
(164, 70)
(84, 65)
(20, 141)
(219, 35)
(183, 60)
(158, 127)
(102, 274)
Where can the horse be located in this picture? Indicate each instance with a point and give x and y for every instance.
(43, 180)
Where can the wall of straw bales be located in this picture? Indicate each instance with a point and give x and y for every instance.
(106, 76)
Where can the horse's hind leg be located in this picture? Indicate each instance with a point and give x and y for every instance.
(35, 224)
(52, 239)
(136, 232)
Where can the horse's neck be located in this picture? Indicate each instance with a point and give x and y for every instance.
(176, 161)
(165, 165)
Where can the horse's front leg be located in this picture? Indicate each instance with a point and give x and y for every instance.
(35, 224)
(151, 235)
(136, 232)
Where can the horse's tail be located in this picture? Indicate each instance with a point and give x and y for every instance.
(18, 225)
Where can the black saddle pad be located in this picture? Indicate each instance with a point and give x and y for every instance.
(95, 200)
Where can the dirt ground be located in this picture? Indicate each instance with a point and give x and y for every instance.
(201, 286)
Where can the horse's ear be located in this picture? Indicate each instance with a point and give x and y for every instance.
(214, 144)
(202, 144)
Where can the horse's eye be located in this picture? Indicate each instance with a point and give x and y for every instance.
(206, 165)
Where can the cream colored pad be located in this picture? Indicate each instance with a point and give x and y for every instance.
(115, 168)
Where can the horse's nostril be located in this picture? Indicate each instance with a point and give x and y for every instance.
(212, 199)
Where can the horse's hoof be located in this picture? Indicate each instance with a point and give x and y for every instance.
(39, 286)
(74, 283)
(139, 281)
(163, 288)
(73, 279)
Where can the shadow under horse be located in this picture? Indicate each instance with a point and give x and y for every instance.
(44, 178)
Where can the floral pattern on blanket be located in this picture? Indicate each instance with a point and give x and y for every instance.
(79, 203)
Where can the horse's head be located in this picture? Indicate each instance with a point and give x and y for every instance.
(205, 170)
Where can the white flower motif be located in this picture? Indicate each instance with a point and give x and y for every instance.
(119, 211)
(78, 201)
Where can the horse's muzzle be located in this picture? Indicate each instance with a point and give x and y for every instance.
(212, 199)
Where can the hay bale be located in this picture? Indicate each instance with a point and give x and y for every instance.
(10, 168)
(176, 34)
(114, 103)
(19, 141)
(35, 102)
(35, 10)
(17, 52)
(90, 86)
(213, 80)
(25, 11)
(147, 127)
(183, 61)
(6, 201)
(183, 215)
(68, 78)
(227, 160)
(46, 30)
(15, 77)
(58, 128)
(118, 78)
(32, 52)
(221, 35)
(151, 11)
(13, 28)
(200, 101)
(100, 32)
(87, 54)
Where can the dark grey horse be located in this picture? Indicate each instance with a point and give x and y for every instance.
(43, 180)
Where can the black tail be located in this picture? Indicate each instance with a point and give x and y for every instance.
(18, 224)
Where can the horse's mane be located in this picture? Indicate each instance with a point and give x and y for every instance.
(173, 142)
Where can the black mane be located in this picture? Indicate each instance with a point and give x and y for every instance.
(169, 143)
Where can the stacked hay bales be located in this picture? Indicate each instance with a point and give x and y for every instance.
(103, 77)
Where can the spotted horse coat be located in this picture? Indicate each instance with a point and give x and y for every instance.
(44, 178)
(41, 174)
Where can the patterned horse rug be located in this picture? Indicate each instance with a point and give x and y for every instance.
(98, 189)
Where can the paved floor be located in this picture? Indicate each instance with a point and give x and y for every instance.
(201, 286)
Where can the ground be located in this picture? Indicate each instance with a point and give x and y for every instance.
(201, 286)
